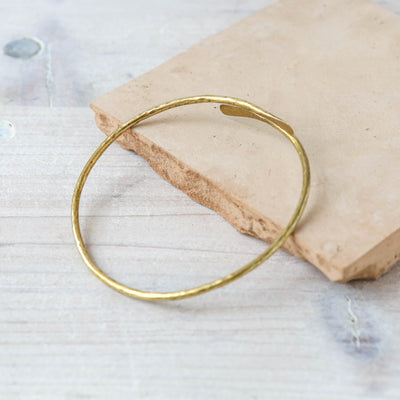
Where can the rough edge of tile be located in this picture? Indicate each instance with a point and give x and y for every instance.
(204, 191)
(371, 265)
(376, 262)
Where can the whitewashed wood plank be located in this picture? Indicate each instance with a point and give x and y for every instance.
(92, 47)
(283, 331)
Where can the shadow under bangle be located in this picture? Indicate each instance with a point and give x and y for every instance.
(229, 106)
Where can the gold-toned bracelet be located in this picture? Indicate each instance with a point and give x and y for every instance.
(229, 106)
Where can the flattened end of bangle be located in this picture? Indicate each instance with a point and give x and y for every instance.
(235, 111)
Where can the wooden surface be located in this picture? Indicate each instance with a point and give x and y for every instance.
(283, 331)
(325, 77)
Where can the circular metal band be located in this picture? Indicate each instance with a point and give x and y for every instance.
(229, 106)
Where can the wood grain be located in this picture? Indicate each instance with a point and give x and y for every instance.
(282, 332)
(282, 329)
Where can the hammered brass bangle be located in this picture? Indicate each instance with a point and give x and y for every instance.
(229, 106)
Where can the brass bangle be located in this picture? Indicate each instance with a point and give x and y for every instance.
(229, 106)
